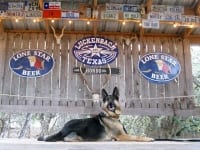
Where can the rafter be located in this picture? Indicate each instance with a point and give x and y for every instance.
(1, 26)
(197, 9)
(187, 32)
(95, 23)
(148, 5)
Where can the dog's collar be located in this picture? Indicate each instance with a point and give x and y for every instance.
(105, 114)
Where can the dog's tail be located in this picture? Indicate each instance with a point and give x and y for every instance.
(52, 138)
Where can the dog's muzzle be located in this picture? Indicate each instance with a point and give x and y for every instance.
(111, 107)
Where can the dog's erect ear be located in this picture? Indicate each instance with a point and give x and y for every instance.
(116, 93)
(104, 93)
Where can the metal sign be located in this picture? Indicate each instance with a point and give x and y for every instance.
(92, 70)
(15, 5)
(147, 23)
(131, 8)
(32, 6)
(33, 14)
(175, 9)
(70, 14)
(131, 15)
(15, 13)
(51, 13)
(31, 63)
(114, 7)
(3, 6)
(159, 67)
(52, 5)
(113, 15)
(95, 51)
(190, 19)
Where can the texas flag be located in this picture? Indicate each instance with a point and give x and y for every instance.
(52, 5)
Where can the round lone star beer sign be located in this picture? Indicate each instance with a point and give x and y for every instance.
(159, 67)
(31, 63)
(95, 51)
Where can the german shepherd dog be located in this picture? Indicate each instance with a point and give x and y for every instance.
(105, 126)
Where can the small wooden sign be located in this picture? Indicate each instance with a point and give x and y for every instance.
(92, 70)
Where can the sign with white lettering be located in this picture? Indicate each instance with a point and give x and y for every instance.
(15, 5)
(33, 14)
(148, 23)
(159, 67)
(95, 51)
(113, 15)
(115, 7)
(95, 70)
(31, 63)
(131, 8)
(70, 14)
(132, 15)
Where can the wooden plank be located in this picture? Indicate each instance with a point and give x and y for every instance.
(23, 80)
(3, 41)
(160, 87)
(30, 90)
(136, 74)
(71, 63)
(152, 86)
(80, 90)
(144, 82)
(64, 68)
(15, 78)
(172, 86)
(43, 84)
(56, 73)
(120, 63)
(7, 72)
(128, 72)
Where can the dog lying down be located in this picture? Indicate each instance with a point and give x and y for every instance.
(105, 126)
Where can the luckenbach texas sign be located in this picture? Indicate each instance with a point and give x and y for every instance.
(95, 51)
(31, 63)
(159, 67)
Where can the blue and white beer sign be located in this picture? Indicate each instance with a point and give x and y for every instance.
(31, 63)
(159, 67)
(95, 51)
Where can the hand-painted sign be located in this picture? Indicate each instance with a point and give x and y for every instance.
(31, 63)
(159, 67)
(95, 51)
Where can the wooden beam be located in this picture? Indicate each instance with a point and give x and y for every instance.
(148, 6)
(47, 26)
(1, 26)
(187, 32)
(95, 24)
(197, 9)
(41, 4)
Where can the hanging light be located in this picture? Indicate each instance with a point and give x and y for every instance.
(123, 23)
(70, 22)
(88, 22)
(52, 20)
(16, 20)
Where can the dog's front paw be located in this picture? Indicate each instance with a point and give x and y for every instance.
(148, 139)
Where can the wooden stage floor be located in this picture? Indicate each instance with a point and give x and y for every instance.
(32, 144)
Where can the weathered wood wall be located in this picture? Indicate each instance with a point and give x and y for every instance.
(63, 91)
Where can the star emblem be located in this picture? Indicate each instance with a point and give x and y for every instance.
(95, 51)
